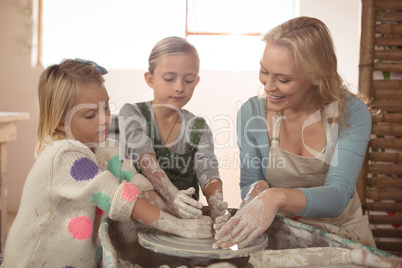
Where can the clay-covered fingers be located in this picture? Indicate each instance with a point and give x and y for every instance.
(189, 192)
(185, 206)
(218, 209)
(228, 231)
(186, 196)
(248, 239)
(221, 220)
(232, 233)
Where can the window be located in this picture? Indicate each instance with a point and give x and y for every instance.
(120, 34)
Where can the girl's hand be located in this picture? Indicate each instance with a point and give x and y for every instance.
(221, 220)
(218, 208)
(248, 223)
(185, 206)
(189, 228)
(219, 213)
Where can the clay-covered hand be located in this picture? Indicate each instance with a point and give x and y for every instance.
(216, 206)
(219, 213)
(221, 220)
(248, 223)
(189, 228)
(185, 206)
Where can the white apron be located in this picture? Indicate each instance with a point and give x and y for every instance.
(293, 171)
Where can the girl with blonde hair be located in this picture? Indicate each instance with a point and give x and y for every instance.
(309, 135)
(171, 146)
(79, 177)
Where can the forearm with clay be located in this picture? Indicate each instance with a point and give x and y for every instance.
(181, 201)
(214, 195)
(189, 228)
(255, 217)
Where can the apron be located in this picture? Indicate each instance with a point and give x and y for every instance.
(178, 167)
(303, 172)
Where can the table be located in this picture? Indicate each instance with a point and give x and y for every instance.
(8, 132)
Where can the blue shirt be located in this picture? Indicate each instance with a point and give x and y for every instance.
(330, 199)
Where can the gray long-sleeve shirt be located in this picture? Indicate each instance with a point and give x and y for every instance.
(135, 138)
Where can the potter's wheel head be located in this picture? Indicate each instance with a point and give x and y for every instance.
(173, 245)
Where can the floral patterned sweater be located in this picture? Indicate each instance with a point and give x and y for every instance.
(67, 193)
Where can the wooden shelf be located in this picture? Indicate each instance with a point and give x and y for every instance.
(8, 132)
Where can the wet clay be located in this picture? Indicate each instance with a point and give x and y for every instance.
(300, 257)
(173, 245)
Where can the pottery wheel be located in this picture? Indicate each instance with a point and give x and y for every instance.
(173, 245)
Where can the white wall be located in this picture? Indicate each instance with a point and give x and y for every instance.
(218, 94)
(343, 20)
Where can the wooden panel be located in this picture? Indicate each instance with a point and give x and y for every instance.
(388, 54)
(388, 105)
(389, 129)
(385, 157)
(386, 186)
(388, 4)
(378, 206)
(388, 41)
(386, 169)
(396, 233)
(366, 48)
(385, 182)
(390, 67)
(387, 143)
(388, 29)
(389, 246)
(387, 117)
(388, 94)
(385, 194)
(385, 219)
(392, 83)
(392, 16)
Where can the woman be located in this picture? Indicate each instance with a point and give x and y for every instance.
(302, 144)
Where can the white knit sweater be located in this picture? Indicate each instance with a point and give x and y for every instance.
(65, 196)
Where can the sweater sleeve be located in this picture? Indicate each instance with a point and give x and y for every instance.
(331, 199)
(253, 142)
(77, 176)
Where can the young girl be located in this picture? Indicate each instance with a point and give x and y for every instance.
(78, 176)
(173, 148)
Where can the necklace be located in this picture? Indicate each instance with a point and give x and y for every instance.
(171, 129)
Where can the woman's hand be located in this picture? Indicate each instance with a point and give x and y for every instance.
(184, 205)
(248, 223)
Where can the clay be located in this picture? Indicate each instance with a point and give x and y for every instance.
(169, 244)
(366, 258)
(299, 257)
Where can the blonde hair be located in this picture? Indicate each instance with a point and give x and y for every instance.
(311, 43)
(170, 46)
(58, 91)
